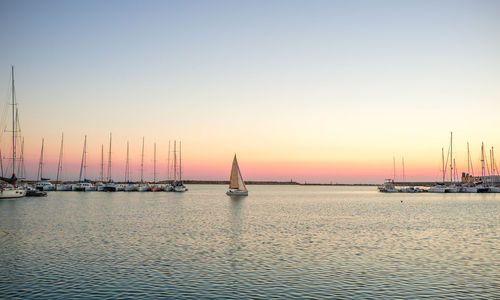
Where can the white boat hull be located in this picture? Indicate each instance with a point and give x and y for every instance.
(131, 188)
(144, 188)
(494, 189)
(468, 189)
(49, 188)
(12, 193)
(64, 187)
(237, 193)
(437, 189)
(180, 189)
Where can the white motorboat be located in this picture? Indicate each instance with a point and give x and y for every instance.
(388, 187)
(44, 185)
(237, 186)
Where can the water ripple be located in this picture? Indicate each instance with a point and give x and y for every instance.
(280, 242)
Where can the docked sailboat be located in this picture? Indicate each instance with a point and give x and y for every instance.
(43, 184)
(110, 186)
(9, 190)
(61, 186)
(155, 187)
(130, 187)
(237, 186)
(83, 184)
(143, 187)
(178, 184)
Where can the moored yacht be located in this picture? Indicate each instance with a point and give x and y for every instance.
(45, 185)
(110, 187)
(131, 187)
(388, 187)
(10, 190)
(84, 187)
(438, 188)
(64, 187)
(144, 188)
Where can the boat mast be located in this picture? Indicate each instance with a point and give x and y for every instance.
(451, 157)
(394, 168)
(154, 164)
(494, 162)
(85, 160)
(482, 159)
(127, 170)
(40, 164)
(180, 161)
(175, 162)
(442, 163)
(13, 126)
(142, 161)
(59, 164)
(403, 160)
(168, 162)
(21, 170)
(102, 162)
(83, 166)
(1, 162)
(109, 159)
(468, 159)
(455, 168)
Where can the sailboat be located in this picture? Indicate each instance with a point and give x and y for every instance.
(84, 185)
(169, 187)
(236, 184)
(100, 184)
(10, 190)
(110, 186)
(43, 184)
(155, 187)
(59, 186)
(143, 187)
(130, 187)
(178, 185)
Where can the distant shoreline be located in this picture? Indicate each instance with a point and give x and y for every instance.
(226, 182)
(263, 182)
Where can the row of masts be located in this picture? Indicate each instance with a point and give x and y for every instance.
(394, 168)
(488, 168)
(177, 171)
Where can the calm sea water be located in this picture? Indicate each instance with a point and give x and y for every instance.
(281, 241)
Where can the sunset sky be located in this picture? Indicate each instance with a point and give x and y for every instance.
(316, 91)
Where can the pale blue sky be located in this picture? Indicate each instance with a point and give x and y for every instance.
(334, 75)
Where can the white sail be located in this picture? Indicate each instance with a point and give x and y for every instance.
(236, 180)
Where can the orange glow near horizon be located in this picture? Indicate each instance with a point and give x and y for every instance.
(214, 163)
